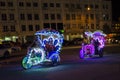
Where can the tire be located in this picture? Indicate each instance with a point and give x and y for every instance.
(25, 63)
(55, 58)
(81, 54)
(100, 52)
(35, 58)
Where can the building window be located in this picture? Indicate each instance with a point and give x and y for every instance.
(60, 26)
(79, 16)
(92, 16)
(12, 28)
(11, 16)
(5, 29)
(97, 26)
(92, 26)
(96, 6)
(53, 26)
(46, 17)
(66, 5)
(58, 5)
(80, 26)
(78, 6)
(29, 16)
(35, 4)
(30, 27)
(74, 26)
(2, 4)
(72, 5)
(97, 16)
(52, 16)
(105, 17)
(22, 16)
(58, 16)
(67, 16)
(86, 6)
(23, 27)
(10, 4)
(67, 26)
(46, 25)
(21, 4)
(4, 17)
(36, 16)
(91, 6)
(73, 17)
(106, 6)
(37, 27)
(87, 16)
(87, 26)
(45, 5)
(51, 4)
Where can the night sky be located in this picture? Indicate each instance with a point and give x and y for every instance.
(115, 9)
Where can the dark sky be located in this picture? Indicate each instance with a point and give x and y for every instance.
(115, 9)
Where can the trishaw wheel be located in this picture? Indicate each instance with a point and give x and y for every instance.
(55, 60)
(25, 63)
(101, 53)
(81, 55)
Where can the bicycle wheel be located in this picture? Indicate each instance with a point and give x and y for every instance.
(25, 63)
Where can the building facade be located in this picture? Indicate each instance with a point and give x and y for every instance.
(115, 29)
(20, 19)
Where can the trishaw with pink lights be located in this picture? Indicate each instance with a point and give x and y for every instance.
(44, 49)
(95, 45)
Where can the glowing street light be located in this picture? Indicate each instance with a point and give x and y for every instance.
(88, 8)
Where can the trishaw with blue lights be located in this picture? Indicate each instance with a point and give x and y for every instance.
(44, 49)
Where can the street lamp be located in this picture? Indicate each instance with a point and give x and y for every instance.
(88, 8)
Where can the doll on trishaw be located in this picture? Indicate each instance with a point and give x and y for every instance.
(44, 49)
(94, 45)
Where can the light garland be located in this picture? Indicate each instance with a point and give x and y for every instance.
(47, 41)
(93, 37)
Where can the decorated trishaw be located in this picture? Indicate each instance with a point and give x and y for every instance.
(44, 49)
(95, 44)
